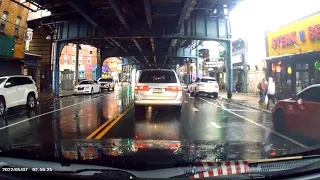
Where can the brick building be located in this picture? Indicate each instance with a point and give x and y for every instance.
(12, 32)
(87, 60)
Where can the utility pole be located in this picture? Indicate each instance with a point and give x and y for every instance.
(77, 64)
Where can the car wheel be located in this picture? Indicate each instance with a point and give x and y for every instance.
(178, 108)
(138, 108)
(279, 121)
(92, 91)
(31, 101)
(2, 106)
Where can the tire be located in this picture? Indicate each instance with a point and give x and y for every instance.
(31, 101)
(177, 108)
(92, 92)
(138, 108)
(2, 106)
(279, 121)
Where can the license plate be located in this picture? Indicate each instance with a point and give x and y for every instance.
(157, 90)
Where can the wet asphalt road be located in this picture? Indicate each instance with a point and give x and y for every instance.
(111, 115)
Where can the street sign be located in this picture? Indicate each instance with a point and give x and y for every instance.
(317, 65)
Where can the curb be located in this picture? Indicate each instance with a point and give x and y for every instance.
(243, 104)
(54, 97)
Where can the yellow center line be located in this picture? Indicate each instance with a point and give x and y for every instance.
(101, 127)
(102, 133)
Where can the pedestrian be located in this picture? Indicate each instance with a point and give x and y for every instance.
(262, 89)
(238, 87)
(271, 91)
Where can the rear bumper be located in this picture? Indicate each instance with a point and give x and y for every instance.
(157, 102)
(208, 92)
(203, 90)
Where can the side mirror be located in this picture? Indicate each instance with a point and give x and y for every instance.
(8, 84)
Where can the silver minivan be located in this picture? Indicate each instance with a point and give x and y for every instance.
(156, 87)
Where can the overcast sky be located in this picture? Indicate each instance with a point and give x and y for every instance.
(251, 16)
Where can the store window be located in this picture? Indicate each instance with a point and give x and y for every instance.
(89, 59)
(302, 76)
(281, 73)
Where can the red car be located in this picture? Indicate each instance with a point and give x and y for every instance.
(299, 113)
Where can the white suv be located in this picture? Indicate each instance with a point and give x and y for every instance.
(204, 85)
(17, 90)
(158, 87)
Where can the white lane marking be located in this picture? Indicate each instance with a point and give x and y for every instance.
(244, 110)
(40, 115)
(215, 125)
(249, 120)
(186, 102)
(195, 109)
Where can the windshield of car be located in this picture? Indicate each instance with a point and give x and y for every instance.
(2, 80)
(179, 81)
(157, 77)
(105, 80)
(86, 82)
(207, 80)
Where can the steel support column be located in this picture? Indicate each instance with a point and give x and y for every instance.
(99, 65)
(229, 69)
(56, 68)
(76, 77)
(197, 68)
(188, 73)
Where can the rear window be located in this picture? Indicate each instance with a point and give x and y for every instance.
(86, 82)
(105, 80)
(158, 77)
(207, 80)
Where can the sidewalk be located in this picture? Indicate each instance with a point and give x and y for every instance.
(246, 99)
(46, 96)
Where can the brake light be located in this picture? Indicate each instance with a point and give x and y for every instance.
(173, 88)
(141, 88)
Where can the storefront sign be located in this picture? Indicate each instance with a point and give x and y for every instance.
(317, 65)
(300, 36)
(214, 64)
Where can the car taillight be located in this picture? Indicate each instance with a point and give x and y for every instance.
(141, 88)
(173, 88)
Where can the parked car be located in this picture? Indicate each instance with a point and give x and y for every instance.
(299, 113)
(158, 87)
(204, 86)
(16, 91)
(106, 83)
(87, 87)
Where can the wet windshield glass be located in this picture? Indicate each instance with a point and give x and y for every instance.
(158, 77)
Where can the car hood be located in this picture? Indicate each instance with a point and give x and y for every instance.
(144, 150)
